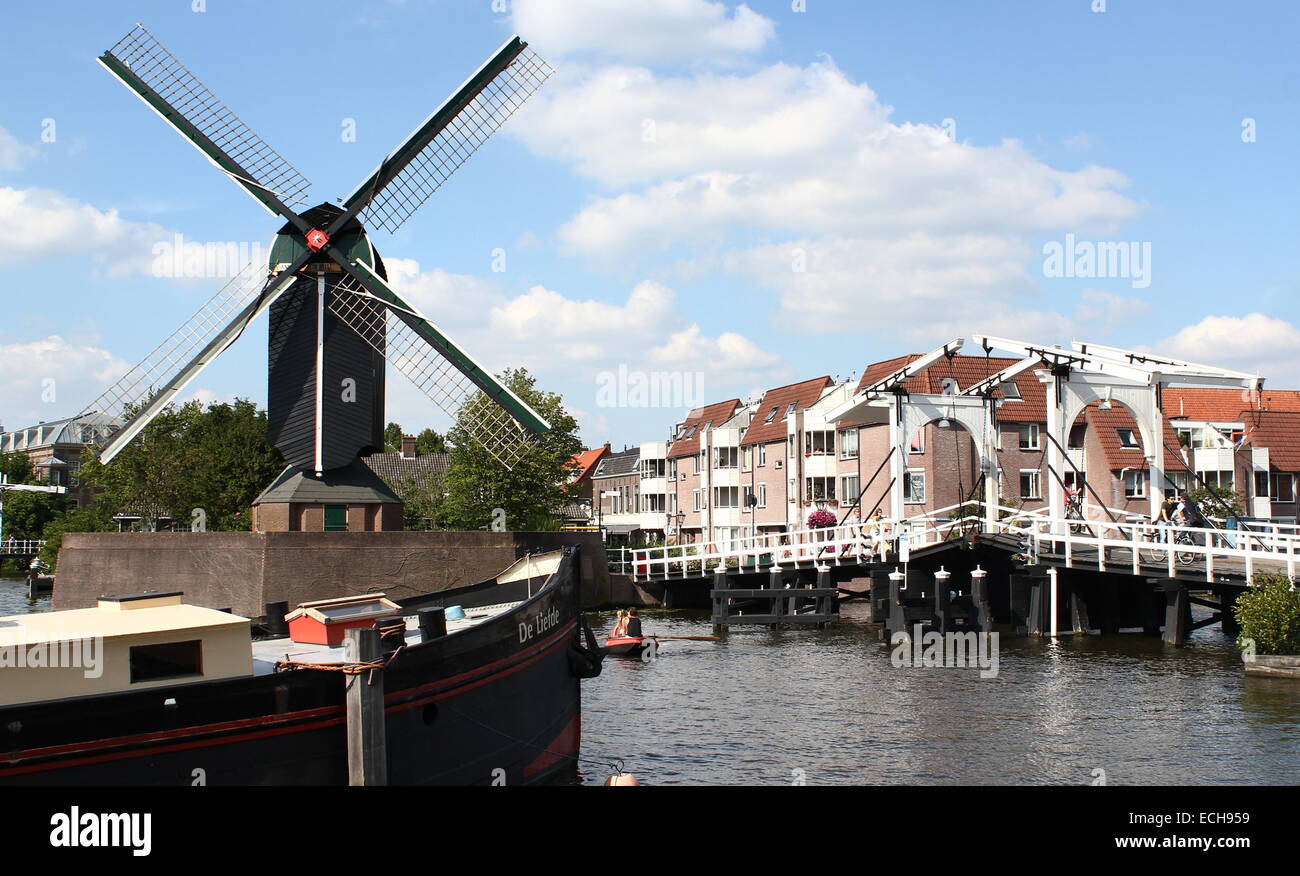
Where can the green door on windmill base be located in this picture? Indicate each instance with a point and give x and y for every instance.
(336, 518)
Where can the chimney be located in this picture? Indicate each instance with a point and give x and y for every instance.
(408, 447)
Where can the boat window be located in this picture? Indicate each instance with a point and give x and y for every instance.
(166, 660)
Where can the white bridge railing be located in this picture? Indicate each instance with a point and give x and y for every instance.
(833, 545)
(21, 547)
(1134, 544)
(1125, 543)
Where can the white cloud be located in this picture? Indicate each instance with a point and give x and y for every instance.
(50, 379)
(1265, 345)
(13, 152)
(662, 31)
(443, 297)
(42, 224)
(1107, 310)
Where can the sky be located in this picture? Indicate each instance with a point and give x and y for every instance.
(707, 198)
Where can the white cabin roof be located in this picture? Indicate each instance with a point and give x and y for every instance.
(110, 619)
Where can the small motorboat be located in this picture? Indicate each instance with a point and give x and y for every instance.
(629, 646)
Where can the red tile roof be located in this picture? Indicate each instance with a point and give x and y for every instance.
(717, 414)
(1106, 425)
(1223, 405)
(968, 370)
(803, 395)
(581, 463)
(1279, 431)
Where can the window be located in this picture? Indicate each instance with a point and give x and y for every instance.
(1283, 488)
(1078, 433)
(726, 497)
(848, 444)
(1010, 391)
(698, 496)
(1030, 484)
(819, 489)
(762, 495)
(1177, 481)
(725, 457)
(790, 409)
(1135, 484)
(1127, 438)
(914, 486)
(1222, 480)
(818, 443)
(849, 488)
(762, 454)
(918, 442)
(747, 459)
(653, 468)
(1075, 479)
(1029, 436)
(166, 660)
(771, 415)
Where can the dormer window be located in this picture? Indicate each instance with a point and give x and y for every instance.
(790, 409)
(1127, 438)
(1011, 391)
(771, 415)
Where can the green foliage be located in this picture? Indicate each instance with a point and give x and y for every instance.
(421, 506)
(392, 438)
(27, 514)
(17, 468)
(1218, 502)
(1269, 615)
(430, 441)
(93, 518)
(533, 492)
(217, 459)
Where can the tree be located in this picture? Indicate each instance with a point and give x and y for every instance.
(216, 459)
(92, 518)
(392, 438)
(422, 505)
(1269, 615)
(17, 467)
(430, 441)
(533, 491)
(1218, 501)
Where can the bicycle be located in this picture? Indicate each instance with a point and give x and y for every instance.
(1158, 554)
(1074, 511)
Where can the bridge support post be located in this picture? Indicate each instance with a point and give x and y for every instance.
(720, 602)
(1080, 622)
(1036, 619)
(897, 616)
(979, 591)
(825, 604)
(777, 604)
(1177, 612)
(942, 601)
(1227, 607)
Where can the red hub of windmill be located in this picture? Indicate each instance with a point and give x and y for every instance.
(317, 240)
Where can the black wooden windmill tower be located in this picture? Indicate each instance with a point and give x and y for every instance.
(334, 321)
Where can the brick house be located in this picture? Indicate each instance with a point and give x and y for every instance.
(616, 493)
(688, 467)
(775, 469)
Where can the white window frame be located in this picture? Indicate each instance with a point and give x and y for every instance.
(917, 444)
(1034, 440)
(850, 496)
(730, 494)
(847, 437)
(907, 487)
(828, 488)
(1035, 483)
(747, 458)
(761, 492)
(1139, 488)
(762, 455)
(698, 495)
(1134, 444)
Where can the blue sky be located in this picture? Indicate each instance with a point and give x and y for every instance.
(653, 200)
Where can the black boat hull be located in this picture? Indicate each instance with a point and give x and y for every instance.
(494, 704)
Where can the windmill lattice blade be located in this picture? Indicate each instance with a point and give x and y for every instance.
(487, 423)
(139, 385)
(156, 67)
(456, 142)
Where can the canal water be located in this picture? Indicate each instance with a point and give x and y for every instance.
(829, 708)
(13, 597)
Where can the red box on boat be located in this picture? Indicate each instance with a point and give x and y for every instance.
(325, 621)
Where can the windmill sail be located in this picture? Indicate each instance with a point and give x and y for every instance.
(152, 384)
(417, 168)
(489, 412)
(185, 103)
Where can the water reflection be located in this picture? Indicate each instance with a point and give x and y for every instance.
(762, 705)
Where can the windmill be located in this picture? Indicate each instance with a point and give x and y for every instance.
(334, 323)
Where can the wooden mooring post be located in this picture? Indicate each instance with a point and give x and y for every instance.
(367, 753)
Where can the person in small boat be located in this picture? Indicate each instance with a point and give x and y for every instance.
(633, 630)
(620, 625)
